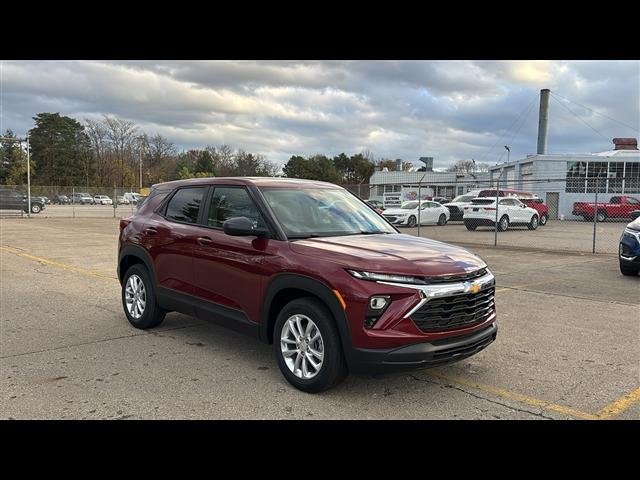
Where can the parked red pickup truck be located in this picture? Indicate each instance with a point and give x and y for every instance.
(617, 207)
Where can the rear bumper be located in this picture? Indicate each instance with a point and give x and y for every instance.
(479, 222)
(422, 355)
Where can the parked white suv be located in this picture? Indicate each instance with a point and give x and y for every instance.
(511, 211)
(102, 200)
(407, 214)
(132, 197)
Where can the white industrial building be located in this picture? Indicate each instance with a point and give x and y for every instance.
(562, 179)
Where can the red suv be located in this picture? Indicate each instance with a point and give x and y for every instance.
(309, 267)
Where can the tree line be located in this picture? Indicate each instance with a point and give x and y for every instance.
(108, 152)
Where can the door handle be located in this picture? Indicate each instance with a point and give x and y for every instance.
(151, 230)
(204, 241)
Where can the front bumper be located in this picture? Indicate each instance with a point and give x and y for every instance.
(394, 220)
(423, 355)
(629, 249)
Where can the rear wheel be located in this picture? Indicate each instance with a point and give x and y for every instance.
(543, 220)
(601, 216)
(503, 224)
(533, 224)
(442, 220)
(35, 208)
(139, 299)
(307, 346)
(629, 270)
(412, 222)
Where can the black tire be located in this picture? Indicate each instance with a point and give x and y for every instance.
(601, 216)
(629, 270)
(412, 222)
(334, 367)
(35, 208)
(152, 315)
(543, 220)
(533, 224)
(503, 224)
(470, 225)
(442, 220)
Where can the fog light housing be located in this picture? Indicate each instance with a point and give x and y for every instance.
(375, 308)
(378, 303)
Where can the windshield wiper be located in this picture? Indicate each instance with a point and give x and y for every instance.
(375, 232)
(302, 235)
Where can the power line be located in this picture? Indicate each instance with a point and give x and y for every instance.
(579, 118)
(527, 108)
(635, 129)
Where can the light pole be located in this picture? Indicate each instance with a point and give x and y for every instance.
(19, 141)
(140, 140)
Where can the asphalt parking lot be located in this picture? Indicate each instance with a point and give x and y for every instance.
(568, 344)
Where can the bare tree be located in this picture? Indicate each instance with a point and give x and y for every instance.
(97, 134)
(121, 134)
(160, 158)
(467, 166)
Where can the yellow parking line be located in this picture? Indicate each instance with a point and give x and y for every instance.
(620, 405)
(53, 263)
(607, 412)
(518, 397)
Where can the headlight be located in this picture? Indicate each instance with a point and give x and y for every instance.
(386, 277)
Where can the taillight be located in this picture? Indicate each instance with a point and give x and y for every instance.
(490, 208)
(124, 222)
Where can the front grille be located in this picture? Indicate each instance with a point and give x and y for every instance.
(626, 250)
(455, 311)
(390, 218)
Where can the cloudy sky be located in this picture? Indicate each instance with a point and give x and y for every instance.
(449, 110)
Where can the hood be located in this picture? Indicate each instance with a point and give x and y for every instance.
(635, 225)
(391, 253)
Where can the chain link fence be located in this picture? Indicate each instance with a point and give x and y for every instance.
(76, 201)
(584, 215)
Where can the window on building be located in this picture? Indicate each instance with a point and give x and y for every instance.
(380, 190)
(576, 174)
(632, 177)
(597, 177)
(616, 173)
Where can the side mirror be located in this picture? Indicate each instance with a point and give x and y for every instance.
(242, 227)
(635, 214)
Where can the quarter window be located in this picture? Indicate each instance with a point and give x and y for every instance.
(184, 206)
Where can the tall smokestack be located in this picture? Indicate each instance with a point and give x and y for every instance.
(543, 122)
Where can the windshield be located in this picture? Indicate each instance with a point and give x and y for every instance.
(410, 206)
(463, 198)
(323, 212)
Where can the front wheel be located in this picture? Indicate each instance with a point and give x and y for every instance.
(35, 208)
(442, 220)
(601, 216)
(307, 346)
(139, 299)
(533, 224)
(412, 222)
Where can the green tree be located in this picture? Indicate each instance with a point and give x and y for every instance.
(318, 167)
(59, 149)
(11, 159)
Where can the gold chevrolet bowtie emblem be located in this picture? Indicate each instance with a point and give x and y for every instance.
(474, 288)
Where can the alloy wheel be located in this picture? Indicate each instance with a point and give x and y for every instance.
(302, 346)
(135, 296)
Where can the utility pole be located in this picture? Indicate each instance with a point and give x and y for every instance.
(140, 158)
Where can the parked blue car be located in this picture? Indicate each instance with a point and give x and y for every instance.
(629, 250)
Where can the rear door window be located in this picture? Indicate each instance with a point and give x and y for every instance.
(184, 206)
